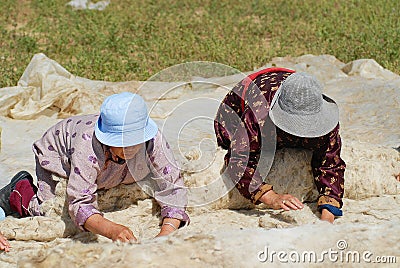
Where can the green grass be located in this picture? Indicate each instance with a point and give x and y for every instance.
(132, 40)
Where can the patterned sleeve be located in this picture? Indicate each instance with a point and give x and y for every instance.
(170, 192)
(82, 187)
(244, 154)
(81, 191)
(328, 170)
(229, 108)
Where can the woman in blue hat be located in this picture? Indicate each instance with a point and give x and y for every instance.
(122, 145)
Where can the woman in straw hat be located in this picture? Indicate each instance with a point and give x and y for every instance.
(301, 117)
(122, 145)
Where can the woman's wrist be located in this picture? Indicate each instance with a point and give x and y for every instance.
(268, 197)
(97, 224)
(332, 209)
(170, 224)
(326, 215)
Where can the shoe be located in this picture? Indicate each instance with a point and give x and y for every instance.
(6, 191)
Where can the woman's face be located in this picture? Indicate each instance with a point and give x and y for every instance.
(125, 152)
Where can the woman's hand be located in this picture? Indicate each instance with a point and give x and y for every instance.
(4, 244)
(326, 215)
(97, 224)
(121, 233)
(281, 201)
(168, 226)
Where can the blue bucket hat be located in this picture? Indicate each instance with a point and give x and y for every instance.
(124, 121)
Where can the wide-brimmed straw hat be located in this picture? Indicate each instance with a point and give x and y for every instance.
(300, 108)
(124, 121)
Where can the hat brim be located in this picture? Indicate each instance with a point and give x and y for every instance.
(310, 126)
(126, 139)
